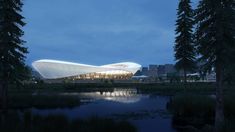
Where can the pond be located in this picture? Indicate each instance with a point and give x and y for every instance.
(114, 110)
(145, 111)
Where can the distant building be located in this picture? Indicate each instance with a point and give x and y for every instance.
(153, 70)
(138, 73)
(145, 71)
(161, 70)
(170, 68)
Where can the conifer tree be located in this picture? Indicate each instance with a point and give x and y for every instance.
(184, 47)
(12, 50)
(215, 42)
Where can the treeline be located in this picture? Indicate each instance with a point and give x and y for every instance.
(206, 35)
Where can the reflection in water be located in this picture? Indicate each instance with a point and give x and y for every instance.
(117, 95)
(145, 112)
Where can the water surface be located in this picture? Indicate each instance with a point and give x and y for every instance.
(145, 111)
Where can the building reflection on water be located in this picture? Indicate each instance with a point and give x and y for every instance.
(118, 95)
(118, 104)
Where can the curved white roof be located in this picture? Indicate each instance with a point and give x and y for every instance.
(52, 69)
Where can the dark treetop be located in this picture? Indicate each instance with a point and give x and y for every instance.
(12, 50)
(184, 47)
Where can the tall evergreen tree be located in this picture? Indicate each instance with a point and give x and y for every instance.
(184, 47)
(12, 50)
(215, 42)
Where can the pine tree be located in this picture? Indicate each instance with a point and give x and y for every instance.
(184, 47)
(12, 50)
(215, 41)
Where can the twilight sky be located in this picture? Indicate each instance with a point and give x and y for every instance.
(100, 31)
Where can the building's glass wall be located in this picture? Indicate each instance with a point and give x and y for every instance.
(122, 75)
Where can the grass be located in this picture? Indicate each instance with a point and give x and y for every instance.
(13, 122)
(170, 88)
(198, 111)
(228, 126)
(174, 88)
(20, 101)
(190, 109)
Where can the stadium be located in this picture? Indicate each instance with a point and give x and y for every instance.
(54, 69)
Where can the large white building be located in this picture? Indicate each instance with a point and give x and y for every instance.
(54, 69)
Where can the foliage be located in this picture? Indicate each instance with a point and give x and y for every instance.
(14, 122)
(149, 88)
(184, 47)
(216, 43)
(12, 50)
(215, 32)
(199, 110)
(42, 101)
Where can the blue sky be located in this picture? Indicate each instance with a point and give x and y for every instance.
(100, 31)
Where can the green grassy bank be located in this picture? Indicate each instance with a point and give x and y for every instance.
(143, 87)
(194, 112)
(28, 122)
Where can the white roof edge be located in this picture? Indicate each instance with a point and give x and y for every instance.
(62, 62)
(74, 63)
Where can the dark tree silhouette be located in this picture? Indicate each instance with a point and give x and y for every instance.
(12, 50)
(215, 41)
(184, 47)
